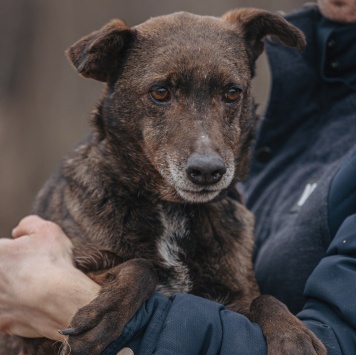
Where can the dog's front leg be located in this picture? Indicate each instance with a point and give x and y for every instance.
(124, 288)
(284, 333)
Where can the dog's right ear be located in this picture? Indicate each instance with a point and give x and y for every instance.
(95, 55)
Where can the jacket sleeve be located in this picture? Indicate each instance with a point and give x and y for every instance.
(330, 311)
(188, 325)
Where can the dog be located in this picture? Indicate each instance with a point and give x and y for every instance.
(148, 198)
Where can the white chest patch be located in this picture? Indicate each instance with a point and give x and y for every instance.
(175, 229)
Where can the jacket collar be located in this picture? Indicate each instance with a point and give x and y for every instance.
(337, 48)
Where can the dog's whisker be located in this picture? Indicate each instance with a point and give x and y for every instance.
(65, 347)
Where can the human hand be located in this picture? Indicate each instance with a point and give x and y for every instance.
(40, 289)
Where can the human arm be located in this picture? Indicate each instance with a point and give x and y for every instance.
(330, 311)
(40, 289)
(186, 324)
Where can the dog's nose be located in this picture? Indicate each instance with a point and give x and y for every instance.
(205, 169)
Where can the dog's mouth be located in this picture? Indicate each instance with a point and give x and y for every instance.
(200, 196)
(199, 183)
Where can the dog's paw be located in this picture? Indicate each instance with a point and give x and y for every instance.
(124, 288)
(284, 333)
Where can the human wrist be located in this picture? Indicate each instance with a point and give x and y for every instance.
(72, 291)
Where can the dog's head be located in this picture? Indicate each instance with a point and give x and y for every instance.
(179, 91)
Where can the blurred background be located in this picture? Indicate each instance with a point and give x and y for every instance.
(44, 104)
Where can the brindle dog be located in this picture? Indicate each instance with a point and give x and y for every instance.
(148, 198)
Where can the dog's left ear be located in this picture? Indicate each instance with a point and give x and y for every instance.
(257, 24)
(96, 54)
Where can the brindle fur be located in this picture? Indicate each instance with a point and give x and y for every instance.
(123, 196)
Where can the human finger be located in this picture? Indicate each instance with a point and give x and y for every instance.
(27, 226)
(34, 225)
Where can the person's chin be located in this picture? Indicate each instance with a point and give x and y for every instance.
(343, 11)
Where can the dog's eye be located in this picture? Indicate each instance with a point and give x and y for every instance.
(232, 95)
(160, 94)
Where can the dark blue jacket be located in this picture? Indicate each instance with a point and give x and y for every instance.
(302, 189)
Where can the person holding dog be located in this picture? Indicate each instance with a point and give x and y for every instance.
(301, 188)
